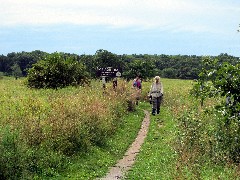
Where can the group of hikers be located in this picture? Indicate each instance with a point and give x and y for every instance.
(155, 94)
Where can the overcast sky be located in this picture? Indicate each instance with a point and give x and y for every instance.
(186, 27)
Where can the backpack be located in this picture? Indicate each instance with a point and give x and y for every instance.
(134, 83)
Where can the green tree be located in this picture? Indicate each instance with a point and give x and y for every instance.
(26, 59)
(144, 68)
(88, 61)
(169, 73)
(104, 58)
(222, 79)
(57, 71)
(16, 71)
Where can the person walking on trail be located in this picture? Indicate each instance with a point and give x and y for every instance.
(137, 85)
(156, 95)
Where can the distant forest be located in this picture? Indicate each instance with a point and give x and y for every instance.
(144, 65)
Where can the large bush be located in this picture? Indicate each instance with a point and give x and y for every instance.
(57, 71)
(222, 80)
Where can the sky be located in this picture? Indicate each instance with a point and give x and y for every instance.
(171, 27)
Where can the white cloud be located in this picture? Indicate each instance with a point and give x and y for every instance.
(189, 15)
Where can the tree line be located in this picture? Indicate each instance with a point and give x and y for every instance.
(144, 65)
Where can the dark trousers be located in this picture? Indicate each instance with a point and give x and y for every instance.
(156, 102)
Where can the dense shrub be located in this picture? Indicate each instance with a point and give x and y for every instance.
(221, 79)
(211, 133)
(57, 71)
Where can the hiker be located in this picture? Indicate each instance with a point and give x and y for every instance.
(114, 83)
(137, 85)
(156, 95)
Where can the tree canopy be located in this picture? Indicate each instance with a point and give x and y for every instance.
(147, 66)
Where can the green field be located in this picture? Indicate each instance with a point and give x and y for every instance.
(77, 133)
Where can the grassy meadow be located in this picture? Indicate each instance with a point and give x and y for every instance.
(42, 130)
(78, 133)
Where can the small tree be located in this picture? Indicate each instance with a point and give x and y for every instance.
(16, 71)
(57, 71)
(219, 79)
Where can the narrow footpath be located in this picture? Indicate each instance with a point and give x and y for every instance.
(120, 169)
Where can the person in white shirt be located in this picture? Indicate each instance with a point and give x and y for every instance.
(156, 93)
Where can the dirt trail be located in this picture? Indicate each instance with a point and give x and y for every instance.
(123, 165)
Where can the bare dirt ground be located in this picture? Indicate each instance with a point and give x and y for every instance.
(120, 169)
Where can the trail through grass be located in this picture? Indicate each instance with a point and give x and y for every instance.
(157, 158)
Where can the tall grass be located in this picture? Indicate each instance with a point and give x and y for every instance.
(41, 129)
